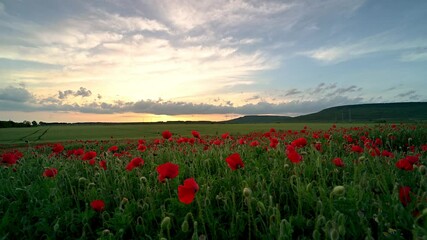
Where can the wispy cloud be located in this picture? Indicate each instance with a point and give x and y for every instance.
(379, 43)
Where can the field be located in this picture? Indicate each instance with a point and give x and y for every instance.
(214, 181)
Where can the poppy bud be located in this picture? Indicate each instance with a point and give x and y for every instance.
(166, 223)
(316, 235)
(422, 169)
(247, 192)
(338, 191)
(334, 234)
(184, 226)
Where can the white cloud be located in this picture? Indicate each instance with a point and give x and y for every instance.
(379, 43)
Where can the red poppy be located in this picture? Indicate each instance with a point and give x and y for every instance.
(299, 143)
(356, 149)
(338, 162)
(136, 162)
(187, 192)
(103, 164)
(386, 153)
(166, 134)
(50, 172)
(195, 134)
(142, 148)
(98, 205)
(254, 143)
(11, 158)
(293, 155)
(89, 155)
(92, 161)
(225, 135)
(113, 148)
(167, 170)
(318, 146)
(57, 148)
(234, 161)
(274, 142)
(404, 197)
(404, 164)
(424, 148)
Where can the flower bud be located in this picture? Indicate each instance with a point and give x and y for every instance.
(166, 223)
(338, 191)
(184, 226)
(247, 192)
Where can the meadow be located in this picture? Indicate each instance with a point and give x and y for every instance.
(214, 181)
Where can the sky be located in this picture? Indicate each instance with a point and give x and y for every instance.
(166, 60)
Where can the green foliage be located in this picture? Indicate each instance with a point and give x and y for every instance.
(270, 198)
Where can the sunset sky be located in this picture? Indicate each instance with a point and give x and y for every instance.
(160, 60)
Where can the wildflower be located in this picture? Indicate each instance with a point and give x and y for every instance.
(338, 162)
(404, 195)
(89, 155)
(136, 162)
(187, 191)
(299, 143)
(50, 172)
(254, 143)
(142, 148)
(293, 155)
(356, 149)
(57, 148)
(166, 134)
(167, 170)
(234, 161)
(103, 164)
(113, 148)
(97, 205)
(195, 134)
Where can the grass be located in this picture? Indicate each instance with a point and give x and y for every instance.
(63, 133)
(269, 198)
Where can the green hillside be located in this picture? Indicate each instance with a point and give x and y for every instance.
(378, 112)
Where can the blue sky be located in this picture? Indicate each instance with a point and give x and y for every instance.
(150, 60)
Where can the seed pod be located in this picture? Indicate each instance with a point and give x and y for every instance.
(184, 226)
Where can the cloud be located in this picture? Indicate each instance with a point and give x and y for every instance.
(15, 94)
(411, 95)
(292, 92)
(383, 42)
(83, 92)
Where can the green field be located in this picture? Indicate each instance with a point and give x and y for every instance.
(62, 133)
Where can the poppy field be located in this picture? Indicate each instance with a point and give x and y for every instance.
(353, 182)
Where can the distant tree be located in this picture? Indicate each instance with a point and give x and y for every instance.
(34, 124)
(26, 123)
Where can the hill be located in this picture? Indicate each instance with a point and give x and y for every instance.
(376, 112)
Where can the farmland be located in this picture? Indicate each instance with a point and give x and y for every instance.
(215, 181)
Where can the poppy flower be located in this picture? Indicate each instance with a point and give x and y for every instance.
(254, 143)
(225, 135)
(98, 205)
(50, 172)
(89, 155)
(274, 142)
(404, 164)
(293, 155)
(299, 143)
(166, 134)
(338, 162)
(234, 161)
(136, 162)
(404, 197)
(356, 149)
(142, 148)
(386, 153)
(318, 146)
(195, 134)
(57, 148)
(11, 158)
(103, 164)
(187, 191)
(113, 148)
(167, 170)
